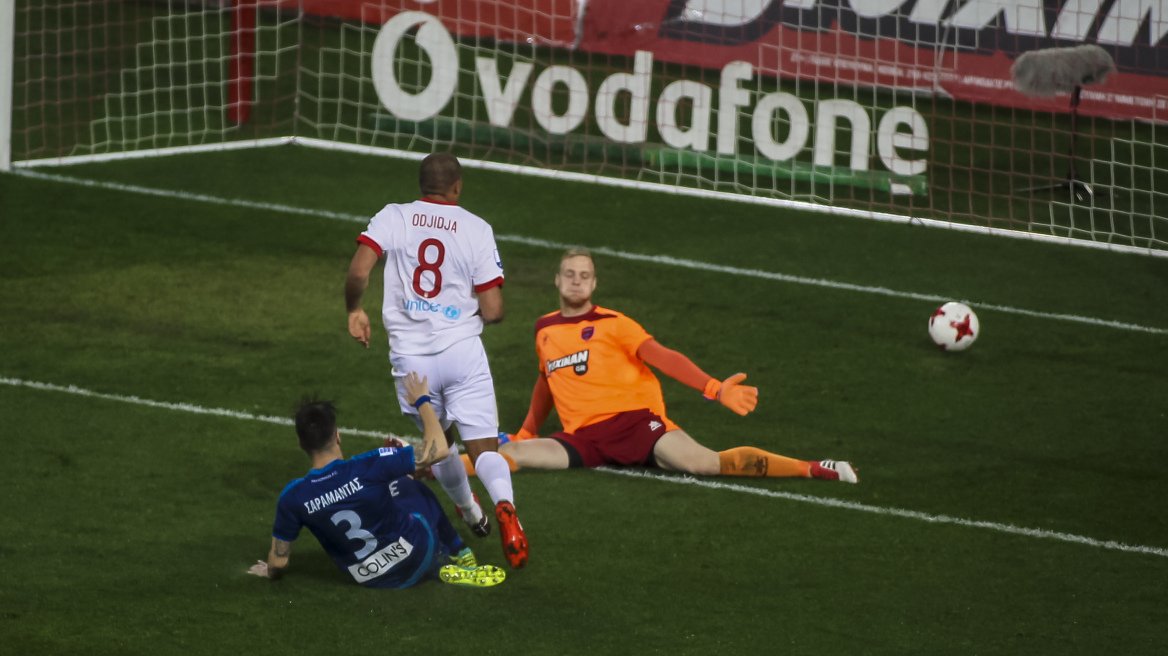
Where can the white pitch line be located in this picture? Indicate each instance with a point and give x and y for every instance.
(183, 407)
(184, 195)
(681, 480)
(625, 255)
(895, 512)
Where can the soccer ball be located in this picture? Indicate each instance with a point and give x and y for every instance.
(954, 327)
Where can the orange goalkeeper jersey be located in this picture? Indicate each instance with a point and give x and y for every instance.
(592, 367)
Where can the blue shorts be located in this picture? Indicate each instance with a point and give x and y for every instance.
(436, 540)
(428, 556)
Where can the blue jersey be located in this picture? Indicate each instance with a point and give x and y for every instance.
(349, 506)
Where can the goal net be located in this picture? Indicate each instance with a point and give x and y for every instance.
(889, 108)
(101, 77)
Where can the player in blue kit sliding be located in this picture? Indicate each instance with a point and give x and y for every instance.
(381, 527)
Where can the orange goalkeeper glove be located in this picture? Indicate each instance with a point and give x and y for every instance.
(739, 398)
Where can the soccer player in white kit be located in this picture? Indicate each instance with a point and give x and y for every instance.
(443, 279)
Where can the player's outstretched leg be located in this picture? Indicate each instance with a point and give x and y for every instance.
(460, 553)
(416, 497)
(482, 527)
(451, 475)
(495, 473)
(751, 461)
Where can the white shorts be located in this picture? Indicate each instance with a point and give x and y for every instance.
(462, 391)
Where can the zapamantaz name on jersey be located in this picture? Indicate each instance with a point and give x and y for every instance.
(333, 496)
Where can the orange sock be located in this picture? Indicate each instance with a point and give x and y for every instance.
(470, 470)
(749, 461)
(510, 461)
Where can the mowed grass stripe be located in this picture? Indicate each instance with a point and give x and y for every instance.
(637, 473)
(636, 257)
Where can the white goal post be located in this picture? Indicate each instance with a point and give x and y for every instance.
(7, 50)
(894, 109)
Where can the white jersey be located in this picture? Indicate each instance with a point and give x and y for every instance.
(438, 257)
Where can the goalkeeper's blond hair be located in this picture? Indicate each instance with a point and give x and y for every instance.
(578, 251)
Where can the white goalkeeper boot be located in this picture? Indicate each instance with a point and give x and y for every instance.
(834, 470)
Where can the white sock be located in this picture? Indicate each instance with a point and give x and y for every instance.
(451, 475)
(493, 471)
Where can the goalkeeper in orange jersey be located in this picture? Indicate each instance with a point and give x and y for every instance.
(593, 369)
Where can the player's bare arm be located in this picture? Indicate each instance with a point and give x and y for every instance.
(433, 447)
(358, 279)
(277, 561)
(491, 305)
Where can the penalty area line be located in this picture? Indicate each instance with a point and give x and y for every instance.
(600, 250)
(631, 473)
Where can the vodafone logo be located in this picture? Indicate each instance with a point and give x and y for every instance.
(901, 133)
(433, 38)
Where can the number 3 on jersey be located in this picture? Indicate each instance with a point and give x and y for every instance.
(426, 265)
(355, 532)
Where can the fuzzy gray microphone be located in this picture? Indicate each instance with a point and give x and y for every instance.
(1053, 71)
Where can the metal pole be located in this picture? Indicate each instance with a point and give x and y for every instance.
(7, 79)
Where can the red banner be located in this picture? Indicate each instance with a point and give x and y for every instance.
(832, 42)
(966, 53)
(539, 22)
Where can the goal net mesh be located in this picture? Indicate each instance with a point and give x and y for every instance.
(889, 106)
(101, 76)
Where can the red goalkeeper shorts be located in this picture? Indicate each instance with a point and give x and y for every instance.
(624, 439)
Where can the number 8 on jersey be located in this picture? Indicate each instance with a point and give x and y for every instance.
(438, 258)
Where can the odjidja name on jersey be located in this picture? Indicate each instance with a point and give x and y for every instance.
(449, 311)
(333, 496)
(578, 361)
(382, 561)
(435, 221)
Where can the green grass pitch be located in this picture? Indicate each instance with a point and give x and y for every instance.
(127, 529)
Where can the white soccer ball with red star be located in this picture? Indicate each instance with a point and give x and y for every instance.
(954, 327)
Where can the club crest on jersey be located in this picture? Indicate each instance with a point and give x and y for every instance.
(586, 332)
(578, 361)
